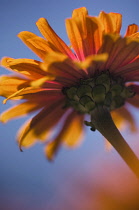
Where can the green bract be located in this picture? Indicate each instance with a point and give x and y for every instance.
(102, 89)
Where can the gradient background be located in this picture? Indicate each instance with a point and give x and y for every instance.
(72, 181)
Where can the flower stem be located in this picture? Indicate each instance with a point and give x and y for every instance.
(102, 120)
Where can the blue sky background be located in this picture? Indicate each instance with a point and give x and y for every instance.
(28, 180)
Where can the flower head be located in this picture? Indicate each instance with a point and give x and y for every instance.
(97, 74)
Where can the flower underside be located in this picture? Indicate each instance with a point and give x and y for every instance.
(96, 46)
(103, 89)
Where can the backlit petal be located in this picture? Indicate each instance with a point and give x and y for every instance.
(84, 32)
(111, 22)
(53, 38)
(37, 44)
(133, 28)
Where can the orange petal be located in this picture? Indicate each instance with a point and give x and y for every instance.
(133, 28)
(68, 134)
(39, 127)
(28, 67)
(111, 22)
(84, 32)
(37, 44)
(53, 38)
(82, 11)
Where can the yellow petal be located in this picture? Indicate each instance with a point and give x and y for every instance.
(18, 111)
(135, 35)
(40, 126)
(53, 38)
(16, 88)
(28, 67)
(41, 81)
(17, 93)
(74, 132)
(10, 84)
(92, 61)
(123, 117)
(59, 64)
(70, 134)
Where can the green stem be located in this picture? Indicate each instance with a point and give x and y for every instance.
(101, 119)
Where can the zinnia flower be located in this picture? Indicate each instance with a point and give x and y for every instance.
(96, 76)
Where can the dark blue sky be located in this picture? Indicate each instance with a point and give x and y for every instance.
(28, 180)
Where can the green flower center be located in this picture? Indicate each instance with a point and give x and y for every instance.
(102, 89)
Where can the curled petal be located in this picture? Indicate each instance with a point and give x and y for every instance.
(17, 88)
(11, 84)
